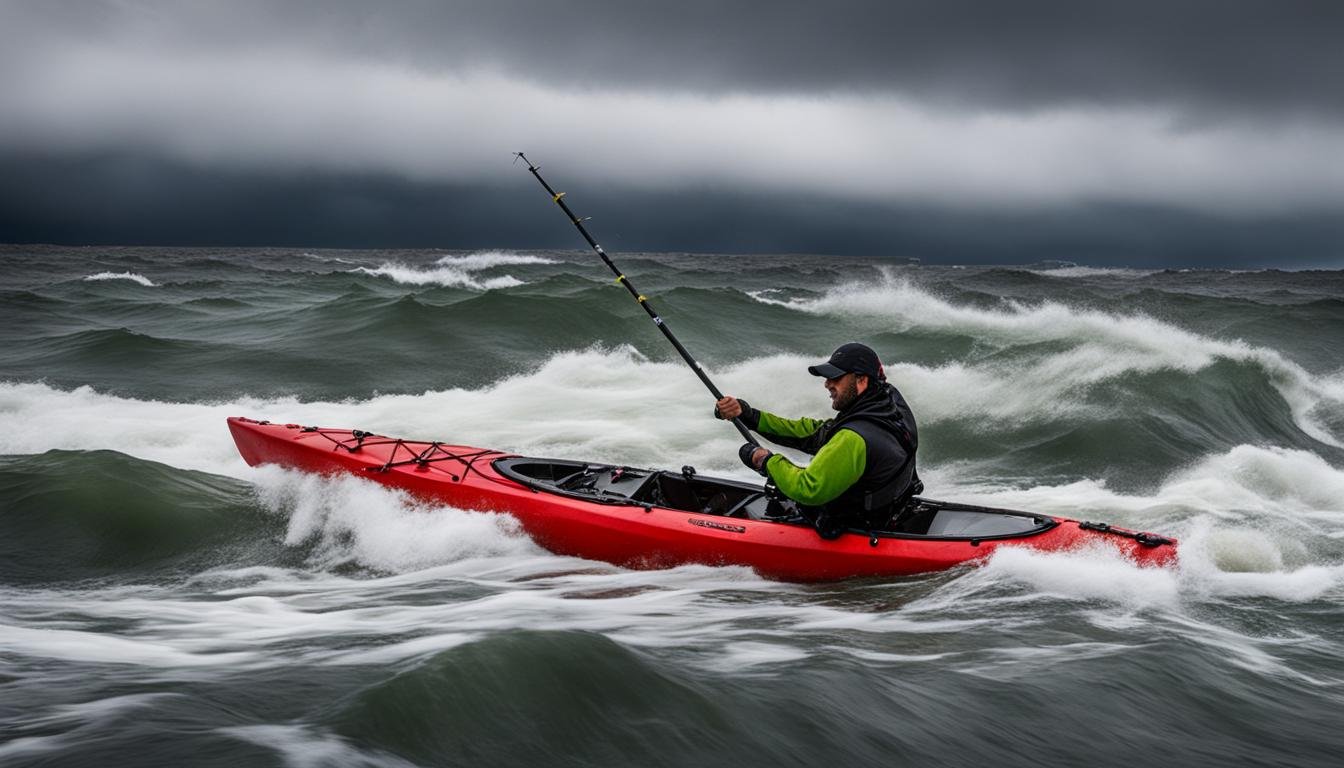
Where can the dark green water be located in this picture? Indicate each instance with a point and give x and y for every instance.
(163, 604)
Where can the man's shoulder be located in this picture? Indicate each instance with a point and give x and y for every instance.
(864, 428)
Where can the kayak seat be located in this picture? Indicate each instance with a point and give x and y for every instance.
(915, 518)
(717, 504)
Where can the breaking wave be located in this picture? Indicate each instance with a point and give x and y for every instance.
(1076, 271)
(487, 259)
(1093, 347)
(131, 276)
(458, 271)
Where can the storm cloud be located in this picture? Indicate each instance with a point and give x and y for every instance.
(904, 113)
(1281, 55)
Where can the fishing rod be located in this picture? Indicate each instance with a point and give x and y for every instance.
(558, 199)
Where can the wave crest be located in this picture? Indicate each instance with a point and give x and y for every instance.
(1096, 346)
(458, 271)
(353, 520)
(473, 262)
(131, 276)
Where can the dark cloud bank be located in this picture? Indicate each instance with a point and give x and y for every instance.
(1224, 55)
(1202, 61)
(134, 201)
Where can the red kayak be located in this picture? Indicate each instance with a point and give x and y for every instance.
(643, 518)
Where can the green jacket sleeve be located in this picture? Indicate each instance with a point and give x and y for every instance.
(837, 466)
(790, 433)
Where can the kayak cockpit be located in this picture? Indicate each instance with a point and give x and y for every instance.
(685, 490)
(689, 491)
(941, 519)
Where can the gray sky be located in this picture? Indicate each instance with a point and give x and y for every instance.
(1172, 132)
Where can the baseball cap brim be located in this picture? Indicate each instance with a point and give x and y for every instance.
(826, 370)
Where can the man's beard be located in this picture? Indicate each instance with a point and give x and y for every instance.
(845, 395)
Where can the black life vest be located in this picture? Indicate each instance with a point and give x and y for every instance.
(883, 419)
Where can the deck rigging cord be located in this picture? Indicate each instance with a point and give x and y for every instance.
(422, 455)
(558, 199)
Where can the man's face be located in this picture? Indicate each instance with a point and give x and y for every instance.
(844, 390)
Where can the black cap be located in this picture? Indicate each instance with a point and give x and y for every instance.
(850, 358)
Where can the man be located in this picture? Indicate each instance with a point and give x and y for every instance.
(863, 470)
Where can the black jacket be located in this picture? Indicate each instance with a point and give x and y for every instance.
(883, 419)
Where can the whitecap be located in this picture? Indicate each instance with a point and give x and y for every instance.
(447, 277)
(1099, 572)
(132, 276)
(1101, 347)
(474, 262)
(354, 520)
(1076, 271)
(458, 271)
(1280, 494)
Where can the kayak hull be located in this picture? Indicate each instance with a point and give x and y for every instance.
(643, 535)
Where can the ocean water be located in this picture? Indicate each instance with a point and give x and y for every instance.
(161, 603)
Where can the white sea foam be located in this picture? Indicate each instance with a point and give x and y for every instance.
(474, 262)
(1096, 573)
(458, 271)
(1237, 486)
(590, 404)
(279, 617)
(1099, 347)
(1278, 498)
(1253, 521)
(105, 648)
(132, 276)
(387, 620)
(741, 655)
(354, 520)
(1101, 575)
(1076, 271)
(305, 747)
(448, 277)
(326, 258)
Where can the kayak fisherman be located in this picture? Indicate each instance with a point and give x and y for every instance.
(863, 470)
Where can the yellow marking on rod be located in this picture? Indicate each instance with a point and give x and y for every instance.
(557, 197)
(642, 299)
(619, 278)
